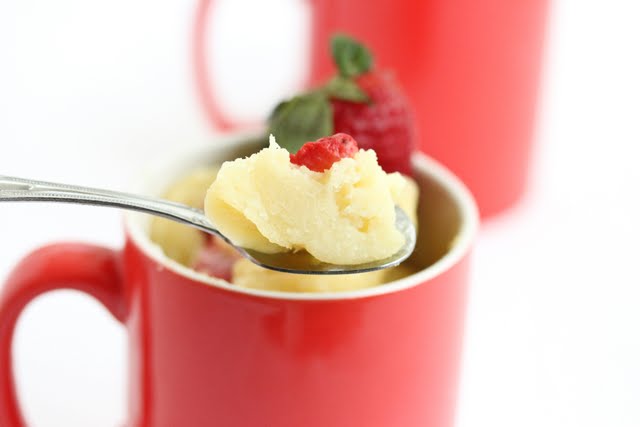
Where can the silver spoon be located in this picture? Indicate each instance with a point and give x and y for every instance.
(19, 189)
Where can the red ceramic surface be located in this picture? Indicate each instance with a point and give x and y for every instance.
(203, 353)
(470, 67)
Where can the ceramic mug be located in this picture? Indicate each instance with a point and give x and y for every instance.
(471, 69)
(203, 352)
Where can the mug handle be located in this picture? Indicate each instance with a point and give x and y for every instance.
(204, 87)
(87, 268)
(202, 73)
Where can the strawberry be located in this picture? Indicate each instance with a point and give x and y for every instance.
(216, 259)
(321, 154)
(384, 124)
(364, 103)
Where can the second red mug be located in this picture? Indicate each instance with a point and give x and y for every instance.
(471, 69)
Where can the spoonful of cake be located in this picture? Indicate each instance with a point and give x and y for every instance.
(329, 209)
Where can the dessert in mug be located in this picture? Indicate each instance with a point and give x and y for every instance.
(340, 212)
(309, 191)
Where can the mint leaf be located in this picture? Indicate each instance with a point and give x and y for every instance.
(301, 119)
(351, 57)
(346, 89)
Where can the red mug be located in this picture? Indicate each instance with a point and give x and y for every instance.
(470, 68)
(203, 352)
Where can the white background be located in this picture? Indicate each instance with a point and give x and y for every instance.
(90, 90)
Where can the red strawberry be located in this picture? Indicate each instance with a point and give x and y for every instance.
(368, 105)
(384, 124)
(216, 259)
(321, 154)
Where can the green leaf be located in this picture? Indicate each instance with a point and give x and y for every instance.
(351, 57)
(346, 89)
(301, 119)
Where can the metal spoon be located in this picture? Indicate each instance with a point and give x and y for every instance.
(19, 189)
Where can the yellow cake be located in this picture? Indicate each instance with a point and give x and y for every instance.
(355, 193)
(344, 215)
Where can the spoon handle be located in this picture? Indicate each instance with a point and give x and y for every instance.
(27, 190)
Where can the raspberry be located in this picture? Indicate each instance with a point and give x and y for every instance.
(320, 155)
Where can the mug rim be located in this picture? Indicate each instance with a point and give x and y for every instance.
(428, 166)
